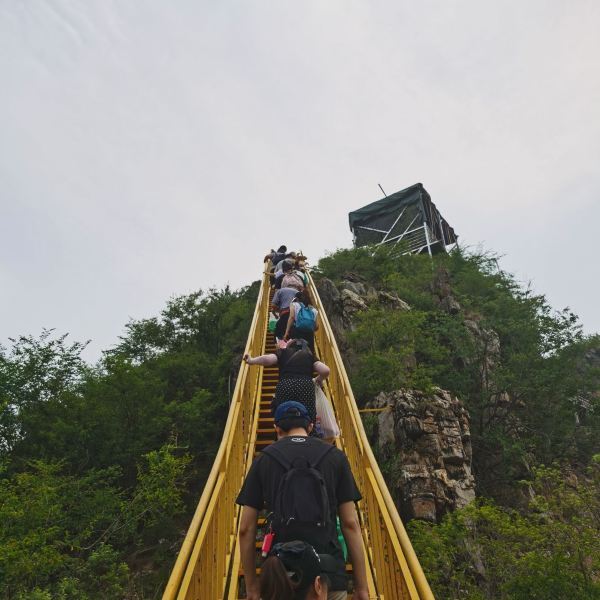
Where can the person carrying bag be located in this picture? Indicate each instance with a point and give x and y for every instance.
(303, 320)
(326, 422)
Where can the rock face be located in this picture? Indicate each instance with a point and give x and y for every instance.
(423, 442)
(424, 445)
(442, 291)
(331, 299)
(352, 295)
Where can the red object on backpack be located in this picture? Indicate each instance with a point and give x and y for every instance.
(267, 543)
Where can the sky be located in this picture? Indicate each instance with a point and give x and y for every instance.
(151, 148)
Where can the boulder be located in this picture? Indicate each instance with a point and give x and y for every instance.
(351, 304)
(428, 442)
(356, 287)
(392, 300)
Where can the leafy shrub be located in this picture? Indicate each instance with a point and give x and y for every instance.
(549, 550)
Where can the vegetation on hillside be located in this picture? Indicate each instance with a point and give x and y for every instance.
(531, 383)
(101, 467)
(549, 549)
(523, 378)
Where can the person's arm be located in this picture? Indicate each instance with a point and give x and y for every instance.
(351, 530)
(322, 371)
(316, 320)
(290, 322)
(266, 360)
(248, 551)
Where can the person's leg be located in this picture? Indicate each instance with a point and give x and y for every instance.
(281, 325)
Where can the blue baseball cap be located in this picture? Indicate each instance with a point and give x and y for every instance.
(291, 410)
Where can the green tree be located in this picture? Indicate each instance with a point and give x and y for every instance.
(514, 361)
(101, 467)
(551, 549)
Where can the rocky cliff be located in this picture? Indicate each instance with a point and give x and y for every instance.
(422, 440)
(424, 444)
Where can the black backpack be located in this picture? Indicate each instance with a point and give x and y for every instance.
(301, 502)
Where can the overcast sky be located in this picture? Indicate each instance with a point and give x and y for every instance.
(151, 148)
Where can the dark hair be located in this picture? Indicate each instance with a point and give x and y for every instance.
(274, 581)
(282, 249)
(275, 584)
(303, 297)
(286, 266)
(300, 344)
(293, 423)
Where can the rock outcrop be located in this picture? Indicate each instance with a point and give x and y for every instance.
(350, 296)
(423, 441)
(424, 446)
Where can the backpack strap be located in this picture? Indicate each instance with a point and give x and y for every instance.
(277, 456)
(322, 454)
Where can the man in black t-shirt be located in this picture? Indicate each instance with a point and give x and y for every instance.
(259, 491)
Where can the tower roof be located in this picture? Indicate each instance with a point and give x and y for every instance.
(408, 216)
(388, 205)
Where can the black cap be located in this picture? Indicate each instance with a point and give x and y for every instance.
(303, 561)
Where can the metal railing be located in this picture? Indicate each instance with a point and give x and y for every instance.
(204, 561)
(208, 562)
(398, 574)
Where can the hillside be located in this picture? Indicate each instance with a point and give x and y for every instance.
(488, 438)
(102, 465)
(483, 407)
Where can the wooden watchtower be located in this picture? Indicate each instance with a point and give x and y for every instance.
(407, 219)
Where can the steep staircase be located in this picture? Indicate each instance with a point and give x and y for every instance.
(208, 566)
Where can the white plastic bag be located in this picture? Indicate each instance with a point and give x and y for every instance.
(326, 422)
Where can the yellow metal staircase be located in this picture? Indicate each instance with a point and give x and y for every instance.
(208, 566)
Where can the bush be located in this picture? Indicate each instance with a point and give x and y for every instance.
(550, 550)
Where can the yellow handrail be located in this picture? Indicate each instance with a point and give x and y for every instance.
(202, 566)
(206, 568)
(392, 550)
